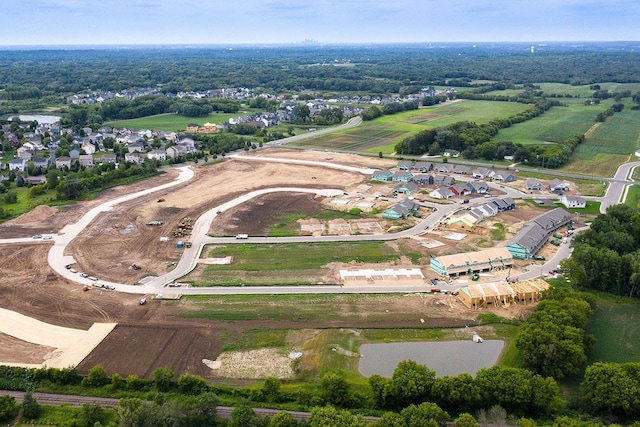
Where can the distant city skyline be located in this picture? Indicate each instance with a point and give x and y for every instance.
(153, 22)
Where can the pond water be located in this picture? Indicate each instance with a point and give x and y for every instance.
(39, 118)
(444, 357)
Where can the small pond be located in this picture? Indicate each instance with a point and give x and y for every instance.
(444, 357)
(40, 118)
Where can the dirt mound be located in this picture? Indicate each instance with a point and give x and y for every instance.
(36, 215)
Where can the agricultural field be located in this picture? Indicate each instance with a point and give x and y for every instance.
(556, 125)
(616, 326)
(385, 132)
(174, 122)
(290, 263)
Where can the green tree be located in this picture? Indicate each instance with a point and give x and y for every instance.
(11, 197)
(390, 419)
(8, 408)
(411, 383)
(90, 414)
(465, 420)
(302, 112)
(244, 416)
(271, 389)
(97, 377)
(31, 409)
(612, 388)
(425, 414)
(335, 389)
(283, 419)
(328, 416)
(192, 384)
(162, 379)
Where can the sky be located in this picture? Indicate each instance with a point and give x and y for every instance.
(161, 22)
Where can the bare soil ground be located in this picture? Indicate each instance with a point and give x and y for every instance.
(256, 216)
(154, 335)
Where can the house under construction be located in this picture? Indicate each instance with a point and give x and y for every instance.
(502, 294)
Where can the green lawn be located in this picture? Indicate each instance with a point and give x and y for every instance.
(174, 122)
(291, 263)
(383, 133)
(616, 327)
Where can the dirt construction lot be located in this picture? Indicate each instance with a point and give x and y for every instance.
(157, 334)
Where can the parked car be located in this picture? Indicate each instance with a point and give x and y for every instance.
(37, 236)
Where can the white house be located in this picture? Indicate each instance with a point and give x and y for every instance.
(573, 201)
(17, 165)
(157, 155)
(442, 193)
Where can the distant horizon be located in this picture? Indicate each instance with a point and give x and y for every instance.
(284, 22)
(470, 43)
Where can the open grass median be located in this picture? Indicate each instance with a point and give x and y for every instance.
(287, 263)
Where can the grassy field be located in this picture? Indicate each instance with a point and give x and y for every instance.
(633, 197)
(293, 263)
(174, 122)
(556, 125)
(616, 327)
(385, 132)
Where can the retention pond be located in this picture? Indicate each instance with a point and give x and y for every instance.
(444, 357)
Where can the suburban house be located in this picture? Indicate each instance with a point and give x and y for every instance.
(462, 169)
(504, 176)
(573, 201)
(422, 179)
(136, 147)
(74, 154)
(488, 209)
(405, 166)
(423, 166)
(557, 185)
(472, 262)
(157, 155)
(25, 153)
(533, 184)
(451, 153)
(534, 234)
(406, 188)
(442, 193)
(402, 209)
(379, 175)
(176, 151)
(444, 168)
(460, 189)
(109, 158)
(35, 180)
(41, 162)
(401, 176)
(17, 165)
(86, 160)
(506, 204)
(63, 161)
(443, 180)
(134, 158)
(480, 173)
(478, 187)
(88, 148)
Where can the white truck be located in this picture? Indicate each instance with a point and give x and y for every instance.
(242, 236)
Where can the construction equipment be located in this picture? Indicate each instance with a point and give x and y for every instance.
(187, 244)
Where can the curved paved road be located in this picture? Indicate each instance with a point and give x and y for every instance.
(57, 260)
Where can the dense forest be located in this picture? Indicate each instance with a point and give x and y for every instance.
(33, 74)
(606, 257)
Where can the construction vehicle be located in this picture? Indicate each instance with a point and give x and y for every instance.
(142, 301)
(187, 244)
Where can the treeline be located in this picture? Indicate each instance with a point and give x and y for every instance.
(473, 141)
(373, 69)
(375, 111)
(122, 109)
(552, 341)
(606, 257)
